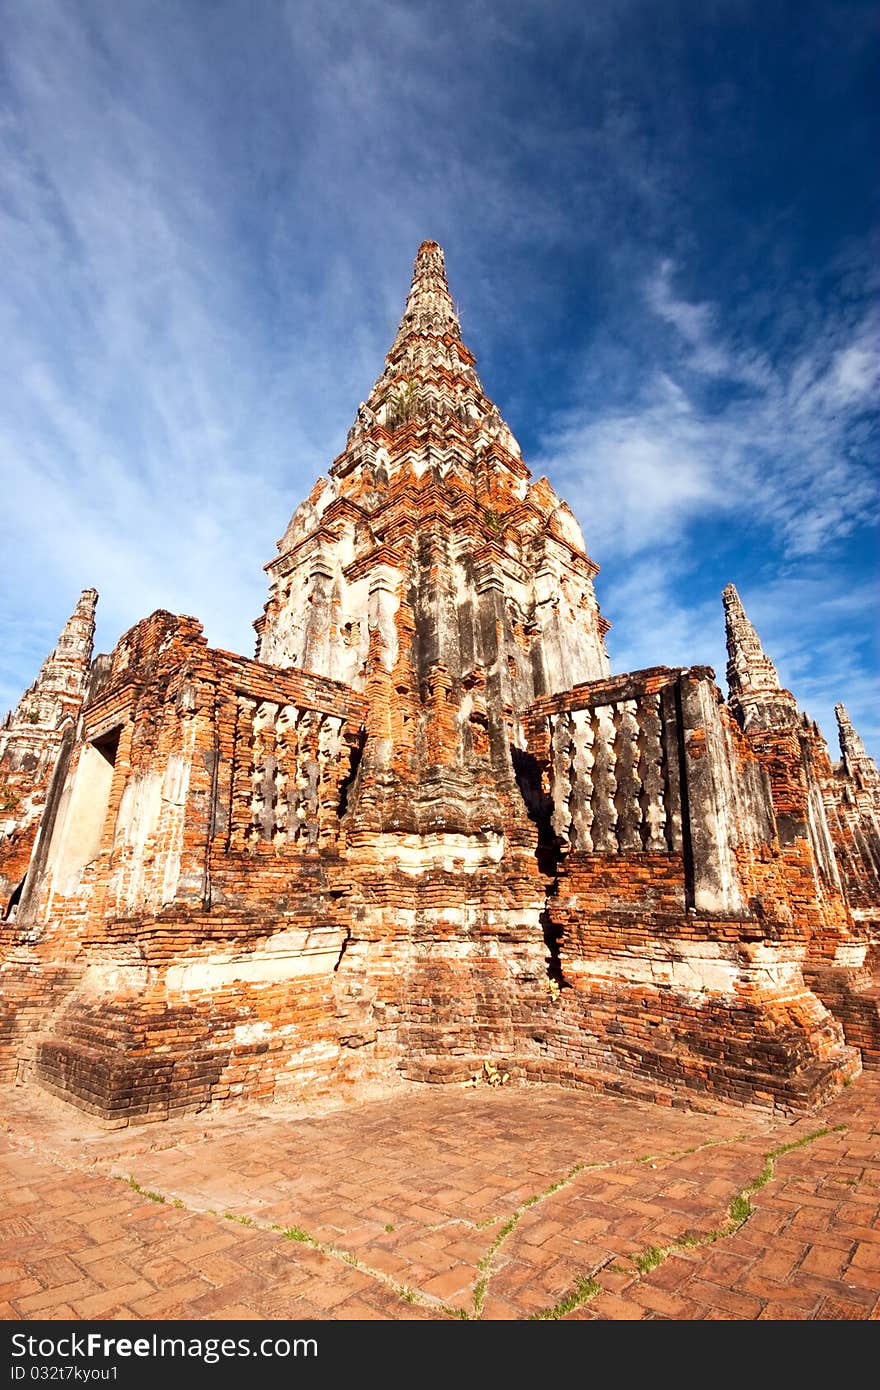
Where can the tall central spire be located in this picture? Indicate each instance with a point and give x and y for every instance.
(430, 552)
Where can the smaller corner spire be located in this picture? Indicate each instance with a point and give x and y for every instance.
(857, 761)
(748, 666)
(58, 689)
(756, 696)
(850, 742)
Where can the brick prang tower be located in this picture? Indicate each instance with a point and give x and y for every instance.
(426, 827)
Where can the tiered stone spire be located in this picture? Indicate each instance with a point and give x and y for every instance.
(31, 736)
(59, 687)
(429, 560)
(857, 761)
(749, 669)
(756, 696)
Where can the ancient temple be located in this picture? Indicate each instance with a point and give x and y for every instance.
(426, 827)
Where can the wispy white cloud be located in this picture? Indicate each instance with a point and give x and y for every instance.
(780, 451)
(779, 456)
(698, 328)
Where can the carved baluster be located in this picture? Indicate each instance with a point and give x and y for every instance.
(582, 781)
(651, 775)
(308, 772)
(626, 797)
(672, 792)
(264, 768)
(311, 773)
(297, 812)
(604, 827)
(329, 747)
(241, 818)
(285, 777)
(560, 745)
(293, 740)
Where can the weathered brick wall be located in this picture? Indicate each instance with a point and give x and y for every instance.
(200, 811)
(299, 950)
(662, 810)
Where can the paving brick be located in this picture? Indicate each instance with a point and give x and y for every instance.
(867, 1256)
(34, 1304)
(825, 1260)
(453, 1284)
(657, 1300)
(159, 1302)
(617, 1308)
(857, 1277)
(104, 1303)
(19, 1288)
(730, 1301)
(792, 1311)
(838, 1310)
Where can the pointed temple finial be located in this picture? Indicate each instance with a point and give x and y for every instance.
(429, 380)
(31, 737)
(79, 630)
(857, 761)
(429, 309)
(755, 693)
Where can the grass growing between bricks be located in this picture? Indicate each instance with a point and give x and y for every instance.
(583, 1291)
(740, 1209)
(145, 1192)
(295, 1233)
(650, 1259)
(333, 1252)
(586, 1287)
(738, 1212)
(484, 1265)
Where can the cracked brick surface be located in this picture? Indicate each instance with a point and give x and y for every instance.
(402, 1197)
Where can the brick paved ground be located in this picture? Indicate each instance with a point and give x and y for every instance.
(503, 1203)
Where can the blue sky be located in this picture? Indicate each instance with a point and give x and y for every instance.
(657, 217)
